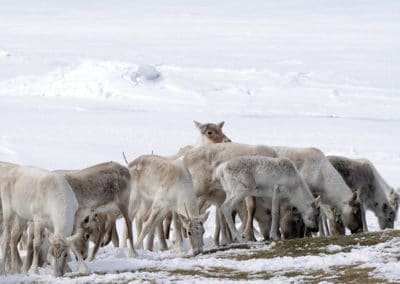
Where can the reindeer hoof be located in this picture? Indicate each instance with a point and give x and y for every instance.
(132, 253)
(33, 271)
(83, 269)
(274, 238)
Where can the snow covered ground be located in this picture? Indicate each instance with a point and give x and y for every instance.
(309, 73)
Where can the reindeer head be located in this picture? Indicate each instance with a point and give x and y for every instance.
(386, 215)
(311, 215)
(195, 230)
(211, 133)
(87, 229)
(351, 214)
(291, 224)
(336, 225)
(58, 251)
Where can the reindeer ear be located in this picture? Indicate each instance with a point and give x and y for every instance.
(203, 217)
(184, 220)
(198, 124)
(317, 201)
(353, 199)
(221, 124)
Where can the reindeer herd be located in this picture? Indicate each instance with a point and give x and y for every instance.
(290, 192)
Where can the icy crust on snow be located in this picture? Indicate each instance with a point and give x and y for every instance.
(248, 92)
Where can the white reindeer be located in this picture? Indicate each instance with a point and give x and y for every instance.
(373, 191)
(201, 163)
(33, 194)
(166, 186)
(210, 133)
(266, 177)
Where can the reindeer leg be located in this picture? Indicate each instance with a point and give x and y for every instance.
(108, 234)
(98, 242)
(114, 235)
(150, 239)
(161, 236)
(325, 224)
(364, 218)
(251, 210)
(177, 233)
(155, 217)
(167, 225)
(16, 234)
(273, 235)
(322, 231)
(128, 223)
(226, 208)
(29, 249)
(217, 227)
(6, 242)
(37, 242)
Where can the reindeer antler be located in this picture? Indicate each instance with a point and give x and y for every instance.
(126, 160)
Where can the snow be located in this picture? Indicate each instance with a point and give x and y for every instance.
(80, 82)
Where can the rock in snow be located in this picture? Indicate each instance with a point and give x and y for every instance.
(147, 72)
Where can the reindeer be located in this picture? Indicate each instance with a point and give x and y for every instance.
(202, 161)
(166, 186)
(266, 177)
(103, 188)
(323, 180)
(373, 191)
(52, 204)
(318, 173)
(210, 133)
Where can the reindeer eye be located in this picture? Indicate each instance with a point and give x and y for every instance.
(189, 233)
(65, 255)
(86, 237)
(209, 133)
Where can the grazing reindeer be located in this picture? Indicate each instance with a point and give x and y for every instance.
(103, 188)
(266, 177)
(373, 191)
(52, 204)
(82, 231)
(320, 176)
(323, 180)
(166, 186)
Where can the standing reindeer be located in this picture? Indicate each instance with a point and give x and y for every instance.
(162, 186)
(210, 133)
(52, 204)
(266, 177)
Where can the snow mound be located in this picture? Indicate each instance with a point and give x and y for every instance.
(88, 80)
